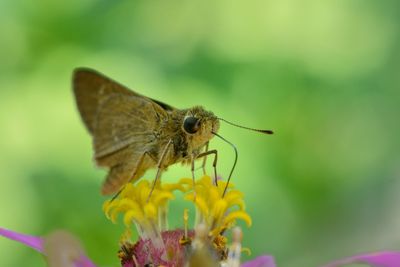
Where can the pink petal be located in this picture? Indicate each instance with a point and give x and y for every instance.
(37, 243)
(31, 241)
(261, 261)
(377, 259)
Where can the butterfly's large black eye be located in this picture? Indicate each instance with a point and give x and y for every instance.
(191, 125)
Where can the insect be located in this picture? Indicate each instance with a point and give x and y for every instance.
(133, 133)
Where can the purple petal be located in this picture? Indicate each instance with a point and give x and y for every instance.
(377, 259)
(261, 261)
(31, 241)
(37, 243)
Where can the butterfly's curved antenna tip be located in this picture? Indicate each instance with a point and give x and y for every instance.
(247, 128)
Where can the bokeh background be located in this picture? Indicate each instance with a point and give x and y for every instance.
(323, 74)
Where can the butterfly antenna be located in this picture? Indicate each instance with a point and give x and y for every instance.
(234, 163)
(247, 128)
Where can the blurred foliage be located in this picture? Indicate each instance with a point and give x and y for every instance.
(323, 74)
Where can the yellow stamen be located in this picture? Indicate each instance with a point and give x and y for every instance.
(126, 236)
(216, 211)
(186, 221)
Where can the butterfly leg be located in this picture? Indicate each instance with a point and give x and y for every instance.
(134, 175)
(203, 166)
(139, 165)
(192, 159)
(160, 167)
(209, 152)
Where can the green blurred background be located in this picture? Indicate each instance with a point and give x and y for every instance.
(323, 74)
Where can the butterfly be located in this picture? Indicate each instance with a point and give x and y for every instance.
(133, 133)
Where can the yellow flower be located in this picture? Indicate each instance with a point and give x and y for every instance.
(215, 213)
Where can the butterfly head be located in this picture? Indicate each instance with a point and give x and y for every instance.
(199, 125)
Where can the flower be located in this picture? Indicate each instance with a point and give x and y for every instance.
(146, 209)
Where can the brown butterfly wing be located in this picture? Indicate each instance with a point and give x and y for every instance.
(128, 164)
(121, 122)
(91, 89)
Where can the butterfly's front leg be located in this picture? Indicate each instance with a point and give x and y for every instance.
(192, 159)
(203, 166)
